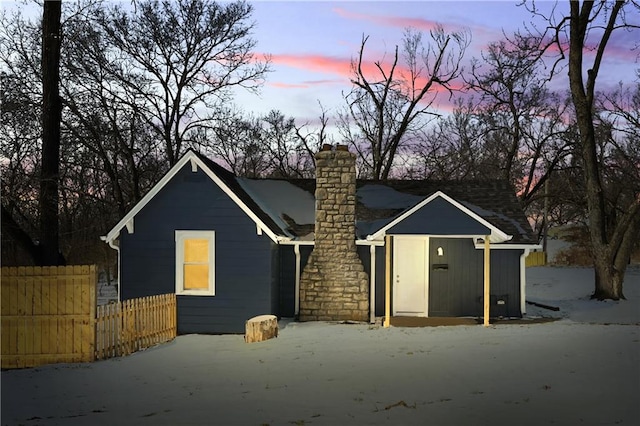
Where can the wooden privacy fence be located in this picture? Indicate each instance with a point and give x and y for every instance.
(48, 315)
(129, 326)
(536, 258)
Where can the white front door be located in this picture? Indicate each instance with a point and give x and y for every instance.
(410, 275)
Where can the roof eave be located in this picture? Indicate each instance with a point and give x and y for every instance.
(497, 235)
(190, 156)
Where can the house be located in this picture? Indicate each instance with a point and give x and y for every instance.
(324, 249)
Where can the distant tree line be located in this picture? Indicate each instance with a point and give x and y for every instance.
(141, 83)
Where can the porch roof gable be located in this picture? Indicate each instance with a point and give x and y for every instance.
(496, 234)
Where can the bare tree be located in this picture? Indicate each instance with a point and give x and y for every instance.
(21, 59)
(113, 147)
(613, 229)
(267, 146)
(20, 169)
(453, 147)
(237, 140)
(313, 139)
(105, 119)
(522, 121)
(51, 118)
(181, 58)
(618, 129)
(382, 109)
(291, 153)
(621, 109)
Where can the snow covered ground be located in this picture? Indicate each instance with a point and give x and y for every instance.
(569, 289)
(582, 369)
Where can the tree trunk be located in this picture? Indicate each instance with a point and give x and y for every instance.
(608, 283)
(610, 248)
(51, 117)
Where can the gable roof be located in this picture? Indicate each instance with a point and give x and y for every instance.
(497, 235)
(220, 176)
(233, 185)
(491, 202)
(285, 208)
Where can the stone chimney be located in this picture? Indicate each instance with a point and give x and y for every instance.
(334, 285)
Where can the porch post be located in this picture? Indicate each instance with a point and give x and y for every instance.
(487, 275)
(523, 281)
(372, 284)
(387, 281)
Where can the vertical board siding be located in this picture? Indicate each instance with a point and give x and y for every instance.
(47, 315)
(505, 283)
(536, 258)
(275, 282)
(458, 291)
(135, 324)
(287, 276)
(380, 276)
(463, 280)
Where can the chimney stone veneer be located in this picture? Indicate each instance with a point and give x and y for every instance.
(333, 284)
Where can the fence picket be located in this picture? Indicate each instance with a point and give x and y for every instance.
(536, 258)
(40, 318)
(129, 326)
(50, 314)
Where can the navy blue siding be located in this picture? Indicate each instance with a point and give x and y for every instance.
(462, 290)
(380, 279)
(243, 260)
(457, 290)
(287, 274)
(365, 257)
(465, 273)
(505, 282)
(275, 280)
(439, 217)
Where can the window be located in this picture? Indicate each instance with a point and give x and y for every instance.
(195, 266)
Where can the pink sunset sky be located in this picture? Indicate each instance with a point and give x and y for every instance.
(312, 43)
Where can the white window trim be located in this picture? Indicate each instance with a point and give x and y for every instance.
(180, 237)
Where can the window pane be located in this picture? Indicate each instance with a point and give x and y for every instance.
(196, 250)
(196, 277)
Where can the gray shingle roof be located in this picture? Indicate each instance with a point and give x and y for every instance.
(493, 200)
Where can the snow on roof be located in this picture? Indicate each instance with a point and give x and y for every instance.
(376, 196)
(364, 227)
(291, 207)
(488, 213)
(278, 198)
